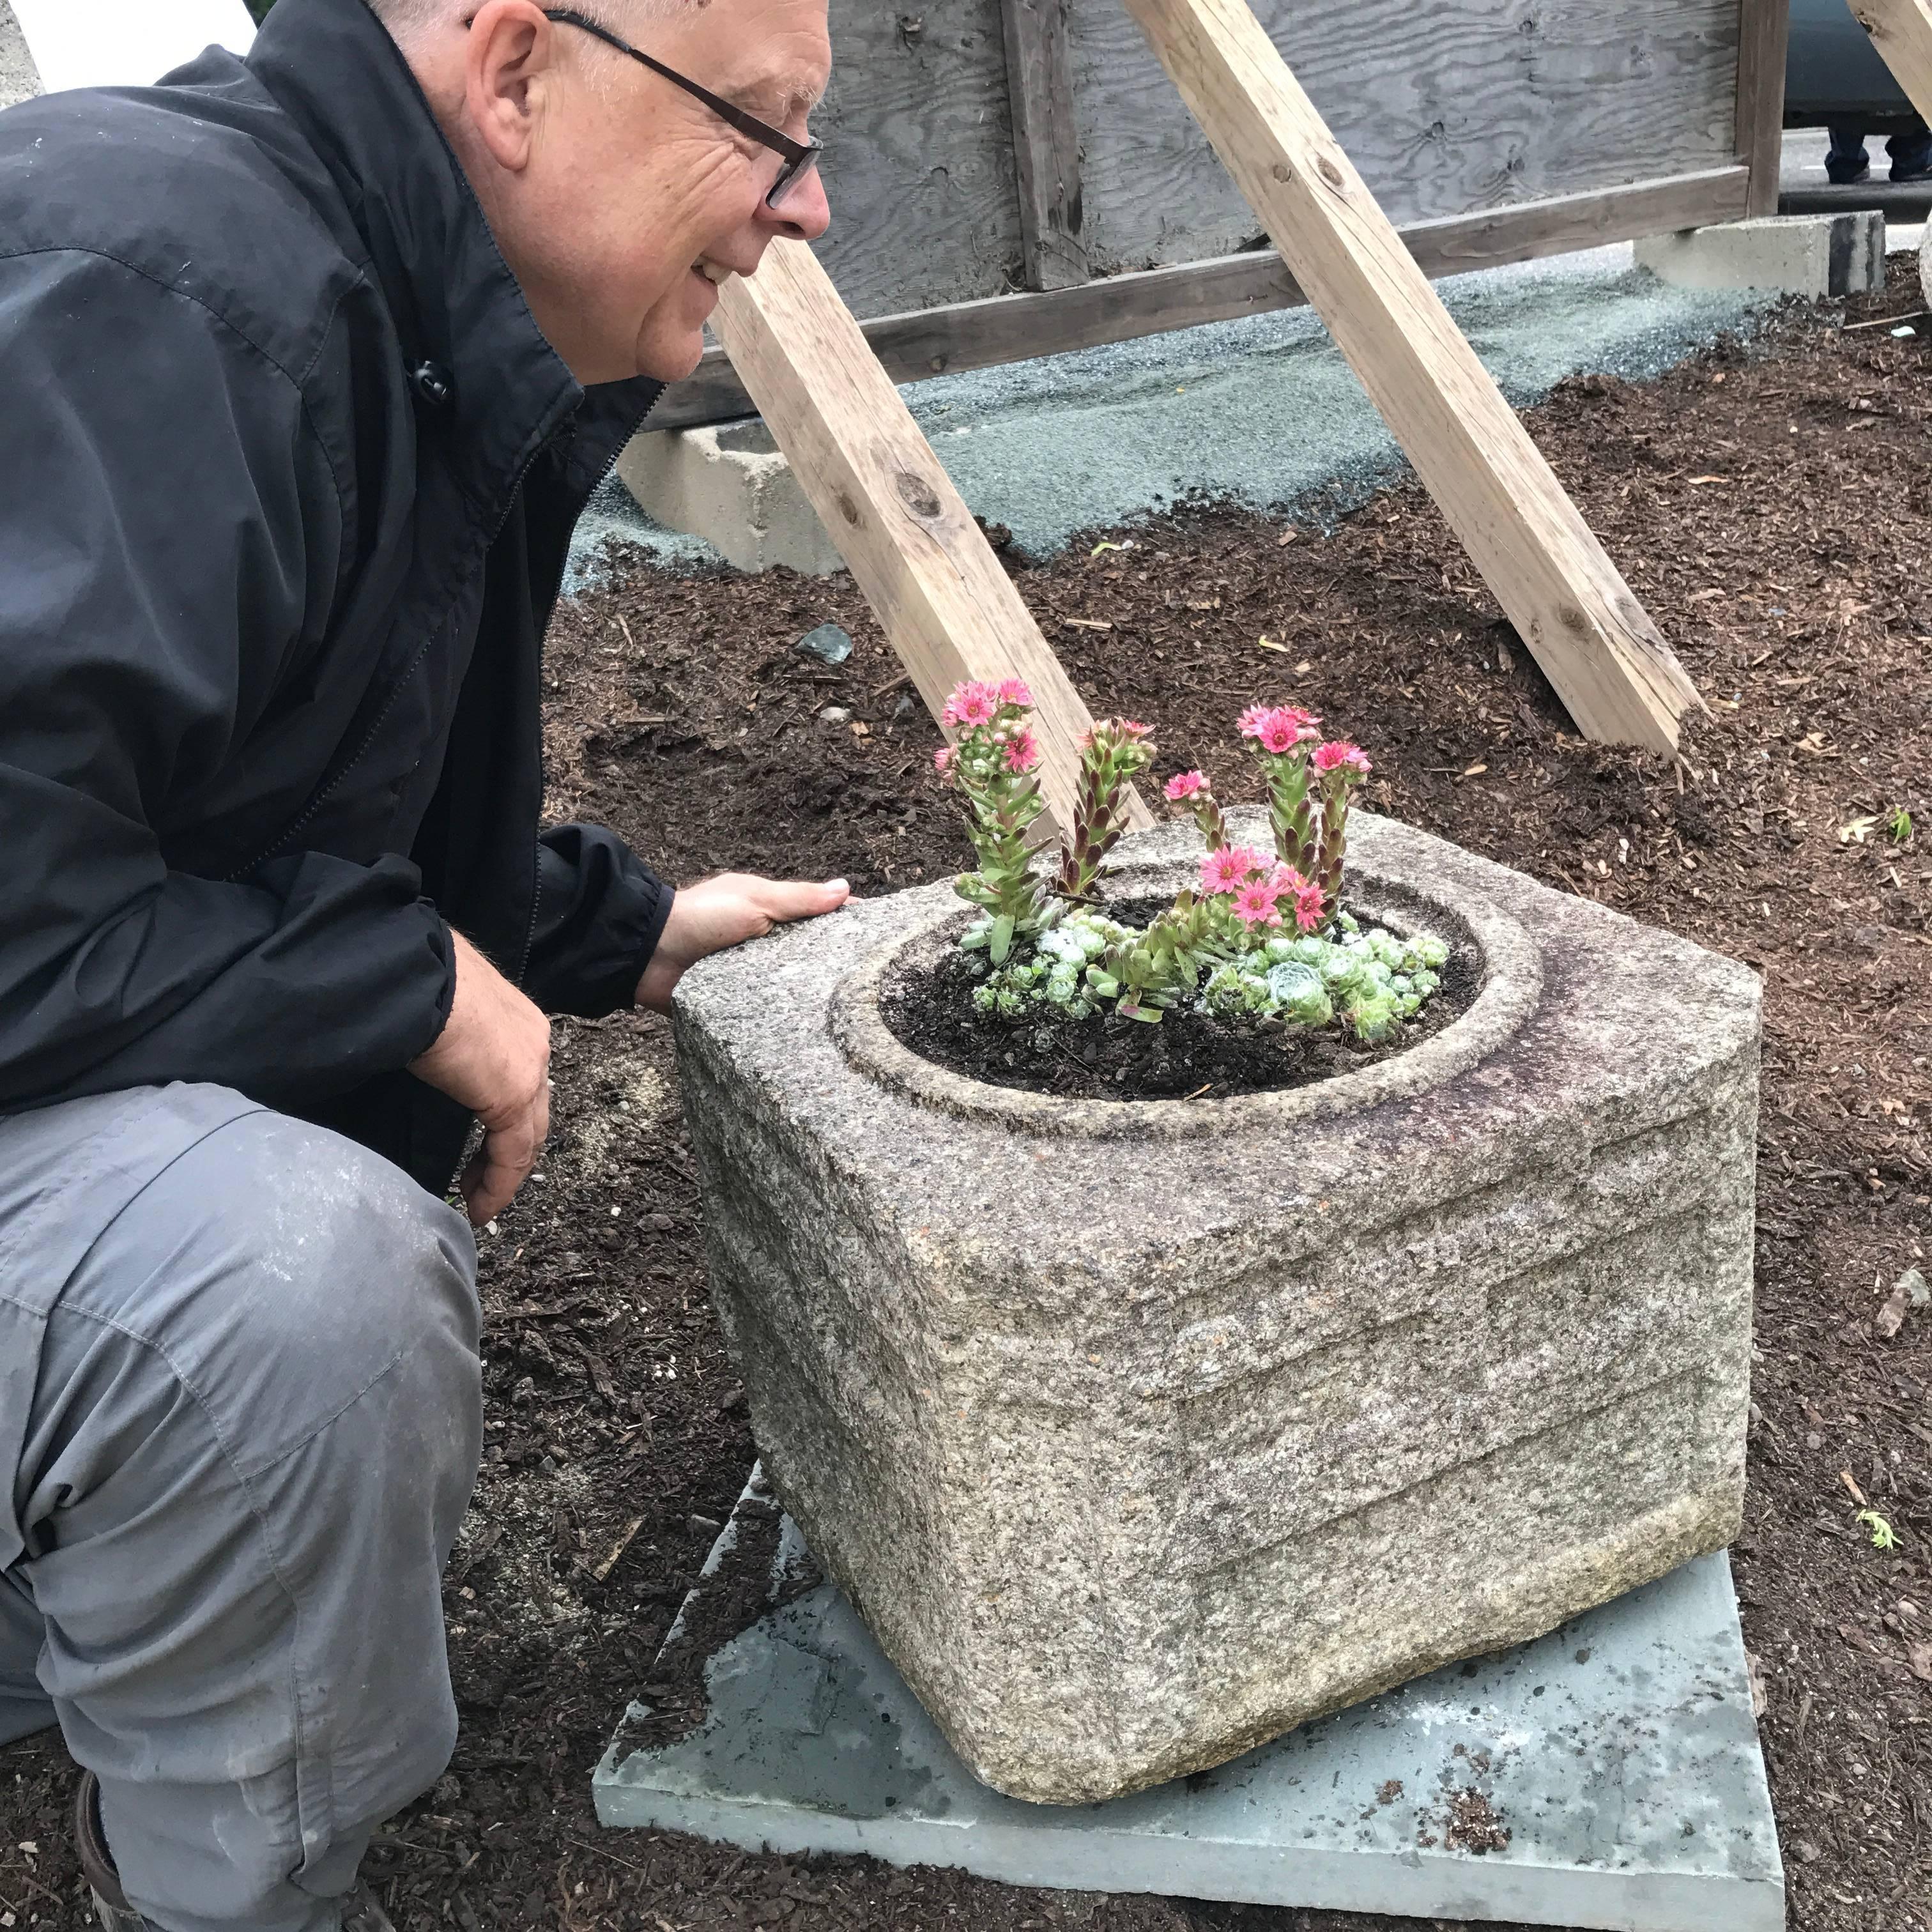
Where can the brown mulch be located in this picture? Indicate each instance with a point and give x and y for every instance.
(1771, 509)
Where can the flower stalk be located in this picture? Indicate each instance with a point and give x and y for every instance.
(1339, 767)
(1191, 789)
(1284, 735)
(990, 766)
(1111, 754)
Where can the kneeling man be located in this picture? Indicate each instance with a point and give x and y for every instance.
(312, 360)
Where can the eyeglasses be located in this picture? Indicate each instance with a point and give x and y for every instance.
(801, 157)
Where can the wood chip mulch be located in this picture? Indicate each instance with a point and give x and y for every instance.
(1770, 506)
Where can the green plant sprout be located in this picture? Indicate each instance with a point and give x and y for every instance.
(1882, 1535)
(1898, 822)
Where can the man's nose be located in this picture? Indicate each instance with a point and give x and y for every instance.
(806, 214)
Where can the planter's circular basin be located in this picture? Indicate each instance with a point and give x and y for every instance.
(1511, 983)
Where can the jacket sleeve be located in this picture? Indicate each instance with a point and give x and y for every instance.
(599, 912)
(169, 532)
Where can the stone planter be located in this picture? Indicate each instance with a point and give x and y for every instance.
(1141, 1432)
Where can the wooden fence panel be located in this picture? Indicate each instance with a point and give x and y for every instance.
(1445, 109)
(919, 164)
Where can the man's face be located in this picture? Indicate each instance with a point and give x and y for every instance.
(619, 200)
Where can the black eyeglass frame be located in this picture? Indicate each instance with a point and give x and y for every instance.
(800, 156)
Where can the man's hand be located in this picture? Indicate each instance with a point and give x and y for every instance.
(493, 1056)
(725, 911)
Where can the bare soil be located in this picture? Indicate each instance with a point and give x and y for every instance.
(1771, 509)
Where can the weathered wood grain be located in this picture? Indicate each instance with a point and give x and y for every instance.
(1014, 328)
(1596, 644)
(1445, 108)
(1046, 142)
(1901, 30)
(1764, 35)
(942, 597)
(919, 161)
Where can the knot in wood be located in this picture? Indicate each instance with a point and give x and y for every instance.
(1329, 172)
(1572, 618)
(848, 509)
(918, 495)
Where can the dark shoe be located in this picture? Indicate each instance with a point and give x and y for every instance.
(110, 1903)
(1841, 176)
(360, 1913)
(1916, 171)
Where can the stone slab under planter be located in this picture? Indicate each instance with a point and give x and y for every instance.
(1141, 1433)
(1618, 1753)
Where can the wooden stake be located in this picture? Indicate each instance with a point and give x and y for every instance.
(1594, 640)
(1046, 142)
(1901, 30)
(947, 604)
(1764, 32)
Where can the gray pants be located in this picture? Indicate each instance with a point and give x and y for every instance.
(240, 1418)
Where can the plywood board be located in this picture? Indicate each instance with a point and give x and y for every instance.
(1460, 105)
(919, 155)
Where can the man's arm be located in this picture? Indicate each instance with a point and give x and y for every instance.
(168, 543)
(611, 934)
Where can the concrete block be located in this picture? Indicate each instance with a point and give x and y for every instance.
(729, 484)
(1607, 1775)
(1140, 1433)
(1815, 256)
(118, 42)
(19, 78)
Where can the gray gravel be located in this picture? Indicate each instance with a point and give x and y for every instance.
(1263, 410)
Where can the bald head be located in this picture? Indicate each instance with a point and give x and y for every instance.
(405, 19)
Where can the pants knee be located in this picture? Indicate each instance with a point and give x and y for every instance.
(320, 1307)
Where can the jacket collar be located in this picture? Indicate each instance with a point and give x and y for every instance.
(334, 71)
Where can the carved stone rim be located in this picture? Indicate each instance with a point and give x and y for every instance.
(1512, 987)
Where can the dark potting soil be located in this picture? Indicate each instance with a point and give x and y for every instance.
(927, 1002)
(1771, 510)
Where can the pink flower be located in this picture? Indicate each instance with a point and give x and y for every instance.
(1342, 756)
(971, 703)
(1186, 786)
(1228, 870)
(942, 760)
(1132, 728)
(1279, 727)
(1013, 691)
(1022, 752)
(1309, 906)
(1255, 904)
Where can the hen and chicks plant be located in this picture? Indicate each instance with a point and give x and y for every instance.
(1262, 937)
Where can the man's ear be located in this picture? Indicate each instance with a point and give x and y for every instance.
(509, 67)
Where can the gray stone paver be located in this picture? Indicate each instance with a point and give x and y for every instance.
(1619, 1753)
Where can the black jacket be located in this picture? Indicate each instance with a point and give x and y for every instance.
(287, 478)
